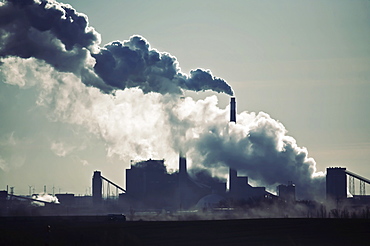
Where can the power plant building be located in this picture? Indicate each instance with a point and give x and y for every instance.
(240, 189)
(97, 183)
(336, 183)
(149, 185)
(286, 192)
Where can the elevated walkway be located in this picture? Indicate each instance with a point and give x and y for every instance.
(358, 177)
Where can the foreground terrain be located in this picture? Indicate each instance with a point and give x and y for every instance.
(102, 230)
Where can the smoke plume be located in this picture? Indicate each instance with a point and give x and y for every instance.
(57, 34)
(49, 46)
(134, 64)
(257, 146)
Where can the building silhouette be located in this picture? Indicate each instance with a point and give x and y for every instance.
(286, 192)
(240, 189)
(97, 183)
(149, 185)
(336, 183)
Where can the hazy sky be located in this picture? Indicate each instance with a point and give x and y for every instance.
(305, 63)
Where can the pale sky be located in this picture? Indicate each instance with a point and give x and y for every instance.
(305, 63)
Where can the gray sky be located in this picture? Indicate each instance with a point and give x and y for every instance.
(305, 63)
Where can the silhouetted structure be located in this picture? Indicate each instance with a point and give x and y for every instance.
(97, 187)
(240, 189)
(336, 183)
(286, 192)
(67, 199)
(233, 180)
(149, 185)
(3, 195)
(232, 110)
(363, 181)
(182, 166)
(238, 186)
(183, 177)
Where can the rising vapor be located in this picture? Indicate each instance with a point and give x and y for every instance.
(129, 97)
(134, 64)
(57, 34)
(256, 145)
(44, 197)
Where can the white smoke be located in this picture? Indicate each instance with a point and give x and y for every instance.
(114, 118)
(144, 117)
(44, 197)
(57, 34)
(256, 145)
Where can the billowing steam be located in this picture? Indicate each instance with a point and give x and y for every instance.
(60, 36)
(49, 46)
(256, 145)
(44, 197)
(134, 64)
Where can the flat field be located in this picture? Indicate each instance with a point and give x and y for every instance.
(99, 230)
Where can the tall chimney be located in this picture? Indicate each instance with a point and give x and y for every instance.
(233, 180)
(233, 110)
(182, 165)
(183, 174)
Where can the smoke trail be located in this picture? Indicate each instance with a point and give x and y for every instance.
(257, 146)
(134, 64)
(51, 32)
(57, 34)
(131, 123)
(50, 46)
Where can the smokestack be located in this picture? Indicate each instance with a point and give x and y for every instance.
(233, 179)
(182, 165)
(233, 110)
(183, 174)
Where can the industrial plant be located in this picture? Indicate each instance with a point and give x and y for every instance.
(151, 189)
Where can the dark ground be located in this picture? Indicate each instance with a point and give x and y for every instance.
(100, 231)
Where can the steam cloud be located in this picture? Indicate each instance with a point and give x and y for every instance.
(57, 34)
(44, 197)
(256, 145)
(134, 64)
(50, 46)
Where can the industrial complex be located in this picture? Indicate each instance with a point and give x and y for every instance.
(151, 188)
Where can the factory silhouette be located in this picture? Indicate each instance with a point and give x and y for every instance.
(150, 187)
